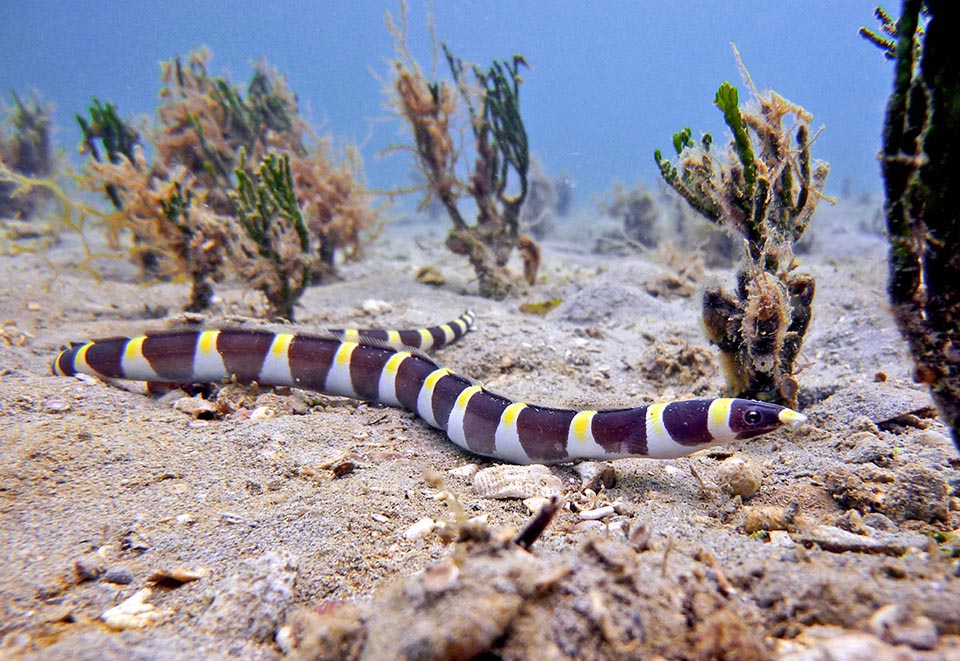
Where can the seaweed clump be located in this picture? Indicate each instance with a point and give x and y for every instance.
(921, 169)
(765, 188)
(500, 156)
(182, 207)
(275, 234)
(26, 150)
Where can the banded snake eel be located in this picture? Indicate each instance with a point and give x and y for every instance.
(390, 367)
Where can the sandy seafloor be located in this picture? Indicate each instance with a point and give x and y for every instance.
(97, 478)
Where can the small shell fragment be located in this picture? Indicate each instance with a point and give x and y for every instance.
(135, 613)
(262, 413)
(198, 407)
(466, 471)
(598, 513)
(517, 482)
(56, 406)
(595, 473)
(175, 576)
(535, 503)
(420, 529)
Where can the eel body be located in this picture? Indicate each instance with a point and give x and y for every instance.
(391, 368)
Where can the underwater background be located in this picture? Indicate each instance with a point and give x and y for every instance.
(608, 82)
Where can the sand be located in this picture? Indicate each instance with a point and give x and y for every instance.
(102, 486)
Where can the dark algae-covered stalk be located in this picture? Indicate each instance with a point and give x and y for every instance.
(498, 179)
(763, 187)
(921, 170)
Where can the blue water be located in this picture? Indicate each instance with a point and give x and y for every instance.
(610, 81)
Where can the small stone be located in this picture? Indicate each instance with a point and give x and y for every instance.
(56, 406)
(879, 522)
(782, 539)
(135, 613)
(739, 476)
(118, 576)
(89, 567)
(893, 624)
(420, 529)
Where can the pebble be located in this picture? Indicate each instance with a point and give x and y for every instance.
(893, 624)
(739, 476)
(506, 481)
(56, 406)
(782, 539)
(251, 602)
(879, 521)
(262, 413)
(118, 576)
(420, 529)
(89, 567)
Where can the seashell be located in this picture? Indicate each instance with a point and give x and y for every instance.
(261, 413)
(516, 482)
(135, 613)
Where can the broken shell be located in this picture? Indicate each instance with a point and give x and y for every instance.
(466, 472)
(135, 613)
(420, 529)
(535, 504)
(261, 413)
(198, 407)
(517, 482)
(176, 576)
(56, 406)
(598, 513)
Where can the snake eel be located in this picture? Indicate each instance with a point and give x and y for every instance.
(390, 367)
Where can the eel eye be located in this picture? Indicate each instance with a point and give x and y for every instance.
(752, 417)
